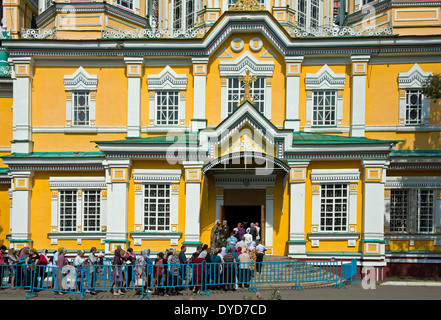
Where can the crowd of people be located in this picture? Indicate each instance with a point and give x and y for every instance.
(227, 263)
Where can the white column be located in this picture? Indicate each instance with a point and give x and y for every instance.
(200, 66)
(373, 206)
(193, 180)
(269, 226)
(21, 206)
(134, 75)
(22, 105)
(358, 94)
(297, 182)
(293, 71)
(117, 178)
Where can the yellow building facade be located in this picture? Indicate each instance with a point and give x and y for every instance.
(137, 125)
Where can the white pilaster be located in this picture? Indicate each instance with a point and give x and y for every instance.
(134, 75)
(193, 180)
(269, 212)
(373, 206)
(293, 72)
(297, 181)
(200, 66)
(117, 178)
(22, 105)
(358, 94)
(21, 208)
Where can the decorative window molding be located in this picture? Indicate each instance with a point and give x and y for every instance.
(423, 204)
(166, 81)
(80, 82)
(143, 178)
(321, 177)
(409, 84)
(322, 81)
(236, 68)
(79, 188)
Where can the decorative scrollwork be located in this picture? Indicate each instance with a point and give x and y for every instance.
(38, 33)
(151, 34)
(339, 31)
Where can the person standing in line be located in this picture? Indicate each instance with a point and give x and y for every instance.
(183, 260)
(232, 240)
(253, 231)
(229, 273)
(244, 268)
(2, 264)
(130, 267)
(43, 269)
(117, 274)
(225, 230)
(221, 242)
(79, 262)
(248, 238)
(32, 263)
(93, 261)
(199, 272)
(13, 260)
(173, 269)
(214, 234)
(256, 225)
(61, 262)
(260, 253)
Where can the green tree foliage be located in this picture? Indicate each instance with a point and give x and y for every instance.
(432, 87)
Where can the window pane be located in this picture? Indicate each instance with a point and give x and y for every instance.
(156, 207)
(236, 91)
(91, 210)
(68, 211)
(334, 199)
(167, 107)
(324, 108)
(80, 108)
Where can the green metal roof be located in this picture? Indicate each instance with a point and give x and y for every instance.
(317, 138)
(415, 153)
(72, 154)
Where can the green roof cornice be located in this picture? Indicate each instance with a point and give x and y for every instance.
(415, 153)
(96, 154)
(317, 138)
(169, 139)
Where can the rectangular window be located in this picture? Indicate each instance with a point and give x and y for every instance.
(236, 91)
(425, 210)
(157, 207)
(167, 107)
(301, 13)
(125, 3)
(315, 13)
(324, 108)
(68, 211)
(414, 106)
(189, 14)
(399, 209)
(334, 207)
(80, 108)
(91, 210)
(177, 15)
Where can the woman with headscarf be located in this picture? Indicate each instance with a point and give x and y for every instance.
(215, 268)
(173, 264)
(199, 265)
(147, 263)
(252, 251)
(21, 266)
(44, 261)
(117, 271)
(32, 262)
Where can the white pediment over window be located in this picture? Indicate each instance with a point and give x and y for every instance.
(325, 79)
(246, 61)
(80, 80)
(414, 78)
(167, 79)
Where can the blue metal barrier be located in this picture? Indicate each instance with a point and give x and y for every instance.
(347, 272)
(173, 278)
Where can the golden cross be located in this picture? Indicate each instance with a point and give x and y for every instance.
(247, 79)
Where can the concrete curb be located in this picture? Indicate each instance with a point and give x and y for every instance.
(413, 283)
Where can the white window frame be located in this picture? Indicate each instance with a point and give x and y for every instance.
(79, 185)
(167, 108)
(184, 15)
(334, 202)
(239, 91)
(412, 80)
(324, 108)
(404, 217)
(80, 81)
(88, 205)
(415, 185)
(141, 178)
(166, 80)
(237, 68)
(156, 201)
(324, 80)
(319, 177)
(131, 3)
(76, 108)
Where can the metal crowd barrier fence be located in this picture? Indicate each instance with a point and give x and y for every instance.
(150, 279)
(348, 272)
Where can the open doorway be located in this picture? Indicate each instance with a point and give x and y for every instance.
(245, 214)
